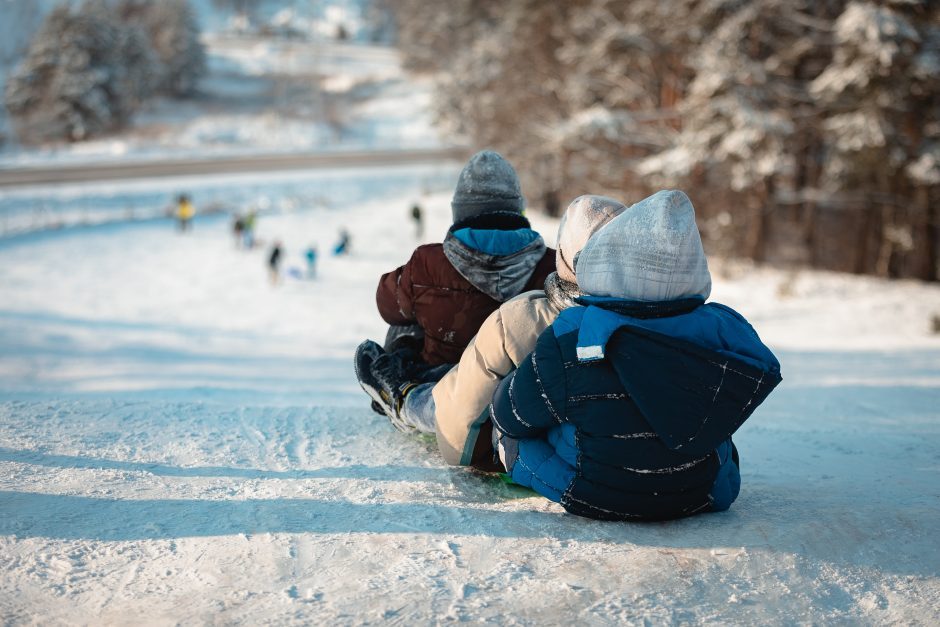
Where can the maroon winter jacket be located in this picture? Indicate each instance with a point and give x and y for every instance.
(449, 289)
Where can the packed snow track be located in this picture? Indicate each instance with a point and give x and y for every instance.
(181, 442)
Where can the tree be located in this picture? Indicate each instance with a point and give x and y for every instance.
(880, 97)
(174, 35)
(89, 68)
(73, 83)
(805, 130)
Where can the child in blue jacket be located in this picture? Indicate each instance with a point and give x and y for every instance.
(626, 406)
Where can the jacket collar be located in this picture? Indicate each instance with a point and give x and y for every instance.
(498, 276)
(642, 309)
(603, 316)
(496, 220)
(561, 293)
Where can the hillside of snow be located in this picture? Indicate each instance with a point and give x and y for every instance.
(182, 442)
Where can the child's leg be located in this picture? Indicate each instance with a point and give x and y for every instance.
(410, 336)
(417, 409)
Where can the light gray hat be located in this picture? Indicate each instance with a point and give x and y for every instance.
(583, 217)
(650, 252)
(487, 184)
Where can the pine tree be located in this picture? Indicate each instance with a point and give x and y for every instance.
(73, 83)
(879, 94)
(805, 130)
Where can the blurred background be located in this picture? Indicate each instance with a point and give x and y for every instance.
(807, 133)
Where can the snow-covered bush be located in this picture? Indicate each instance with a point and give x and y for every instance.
(173, 33)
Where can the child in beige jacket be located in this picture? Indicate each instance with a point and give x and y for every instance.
(462, 398)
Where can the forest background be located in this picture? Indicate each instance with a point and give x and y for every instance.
(806, 132)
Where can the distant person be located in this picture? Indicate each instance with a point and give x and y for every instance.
(551, 202)
(343, 245)
(248, 229)
(437, 301)
(418, 218)
(238, 228)
(311, 256)
(274, 263)
(185, 211)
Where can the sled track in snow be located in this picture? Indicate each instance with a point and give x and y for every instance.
(114, 171)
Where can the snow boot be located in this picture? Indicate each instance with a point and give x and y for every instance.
(393, 372)
(386, 396)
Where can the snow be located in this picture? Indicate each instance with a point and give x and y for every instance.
(926, 169)
(261, 94)
(289, 18)
(268, 96)
(181, 442)
(35, 208)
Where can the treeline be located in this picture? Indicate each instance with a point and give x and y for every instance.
(90, 67)
(805, 131)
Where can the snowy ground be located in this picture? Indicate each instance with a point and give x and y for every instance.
(50, 207)
(181, 442)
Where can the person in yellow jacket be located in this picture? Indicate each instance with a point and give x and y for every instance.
(185, 211)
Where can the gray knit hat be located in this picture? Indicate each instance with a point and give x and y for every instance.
(487, 184)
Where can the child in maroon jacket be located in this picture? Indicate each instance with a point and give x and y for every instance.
(437, 301)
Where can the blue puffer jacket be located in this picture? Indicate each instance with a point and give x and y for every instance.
(625, 410)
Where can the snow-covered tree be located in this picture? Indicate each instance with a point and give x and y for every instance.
(739, 131)
(90, 66)
(75, 81)
(504, 91)
(805, 130)
(879, 94)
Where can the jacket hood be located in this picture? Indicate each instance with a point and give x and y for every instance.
(649, 252)
(696, 375)
(583, 217)
(499, 263)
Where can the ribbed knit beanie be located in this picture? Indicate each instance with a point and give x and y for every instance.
(487, 184)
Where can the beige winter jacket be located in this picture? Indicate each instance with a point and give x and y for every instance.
(463, 396)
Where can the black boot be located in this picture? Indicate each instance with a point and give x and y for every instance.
(379, 375)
